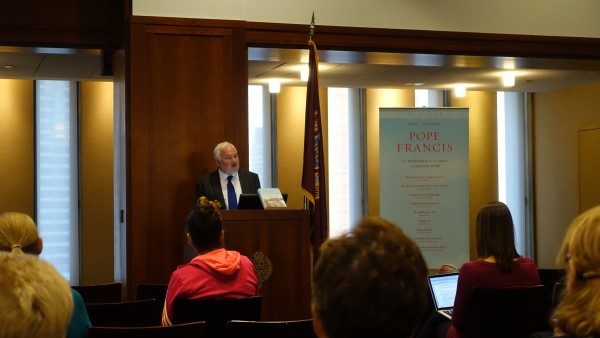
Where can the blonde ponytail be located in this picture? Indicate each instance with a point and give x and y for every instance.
(18, 233)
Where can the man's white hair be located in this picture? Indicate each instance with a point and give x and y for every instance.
(219, 147)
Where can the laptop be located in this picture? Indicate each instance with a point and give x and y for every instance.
(443, 291)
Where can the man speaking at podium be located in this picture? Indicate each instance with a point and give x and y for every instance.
(229, 181)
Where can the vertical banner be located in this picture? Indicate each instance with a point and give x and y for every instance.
(313, 169)
(424, 179)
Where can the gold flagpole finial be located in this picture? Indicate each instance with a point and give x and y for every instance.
(312, 26)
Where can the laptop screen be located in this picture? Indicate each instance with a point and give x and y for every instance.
(443, 289)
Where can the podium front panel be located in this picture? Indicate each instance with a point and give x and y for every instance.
(279, 243)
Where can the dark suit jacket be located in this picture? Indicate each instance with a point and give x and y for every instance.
(210, 185)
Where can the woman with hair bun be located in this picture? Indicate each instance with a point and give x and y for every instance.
(215, 272)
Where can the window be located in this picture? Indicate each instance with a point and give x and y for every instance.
(57, 186)
(259, 131)
(513, 172)
(344, 151)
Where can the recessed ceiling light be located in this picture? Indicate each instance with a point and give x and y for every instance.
(508, 79)
(460, 90)
(274, 86)
(304, 73)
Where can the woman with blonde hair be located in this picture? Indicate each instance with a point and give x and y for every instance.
(19, 235)
(578, 313)
(35, 300)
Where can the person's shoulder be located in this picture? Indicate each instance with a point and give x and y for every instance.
(473, 269)
(77, 298)
(206, 177)
(526, 262)
(468, 266)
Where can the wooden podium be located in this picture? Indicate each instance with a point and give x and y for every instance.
(278, 242)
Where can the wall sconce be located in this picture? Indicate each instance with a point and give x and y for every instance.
(460, 90)
(508, 79)
(304, 73)
(274, 86)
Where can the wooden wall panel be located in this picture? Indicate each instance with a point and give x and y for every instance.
(63, 23)
(421, 41)
(187, 93)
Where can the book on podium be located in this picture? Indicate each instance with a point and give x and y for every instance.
(271, 198)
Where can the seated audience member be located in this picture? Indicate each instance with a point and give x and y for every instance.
(35, 300)
(577, 315)
(498, 264)
(19, 234)
(369, 283)
(215, 272)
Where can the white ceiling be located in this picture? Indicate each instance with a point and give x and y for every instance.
(337, 69)
(50, 63)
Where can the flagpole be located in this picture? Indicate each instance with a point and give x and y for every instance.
(312, 27)
(314, 180)
(311, 32)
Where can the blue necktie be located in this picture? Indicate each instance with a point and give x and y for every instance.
(231, 196)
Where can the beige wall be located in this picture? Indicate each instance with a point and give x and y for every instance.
(17, 168)
(557, 17)
(16, 146)
(97, 216)
(558, 116)
(483, 153)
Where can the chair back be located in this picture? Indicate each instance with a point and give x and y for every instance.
(250, 328)
(549, 278)
(515, 312)
(302, 328)
(187, 330)
(270, 329)
(147, 312)
(216, 312)
(557, 293)
(151, 291)
(100, 293)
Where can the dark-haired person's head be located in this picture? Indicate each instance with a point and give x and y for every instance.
(370, 283)
(204, 226)
(495, 235)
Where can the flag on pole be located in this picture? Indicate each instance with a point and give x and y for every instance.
(313, 172)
